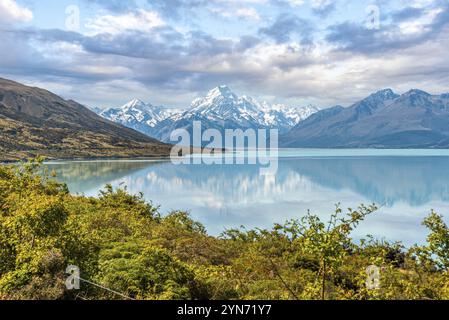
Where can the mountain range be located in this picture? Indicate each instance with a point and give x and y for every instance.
(415, 119)
(219, 109)
(34, 122)
(385, 119)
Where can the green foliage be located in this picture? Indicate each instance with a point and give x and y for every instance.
(143, 271)
(125, 248)
(437, 249)
(329, 243)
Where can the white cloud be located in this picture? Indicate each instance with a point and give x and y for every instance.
(245, 13)
(141, 20)
(420, 24)
(420, 3)
(319, 4)
(296, 3)
(242, 1)
(11, 12)
(248, 13)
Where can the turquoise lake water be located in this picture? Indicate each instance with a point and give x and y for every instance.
(407, 184)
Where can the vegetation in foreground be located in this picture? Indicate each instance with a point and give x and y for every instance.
(122, 243)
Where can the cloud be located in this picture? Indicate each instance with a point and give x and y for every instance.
(400, 34)
(292, 3)
(407, 14)
(124, 53)
(141, 20)
(242, 13)
(323, 7)
(295, 3)
(173, 8)
(287, 3)
(287, 25)
(11, 12)
(164, 59)
(114, 5)
(185, 9)
(248, 13)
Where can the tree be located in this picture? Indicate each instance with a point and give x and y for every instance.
(329, 242)
(437, 249)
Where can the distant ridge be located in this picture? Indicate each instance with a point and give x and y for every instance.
(415, 119)
(34, 122)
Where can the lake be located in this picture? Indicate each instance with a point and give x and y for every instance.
(407, 184)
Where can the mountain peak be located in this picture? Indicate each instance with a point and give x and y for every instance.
(373, 102)
(417, 92)
(223, 91)
(134, 103)
(385, 94)
(220, 97)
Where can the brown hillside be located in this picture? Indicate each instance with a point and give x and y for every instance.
(35, 122)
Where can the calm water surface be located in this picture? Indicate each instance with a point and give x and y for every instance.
(406, 183)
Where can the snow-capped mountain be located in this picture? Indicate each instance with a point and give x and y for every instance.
(138, 115)
(282, 116)
(222, 104)
(220, 109)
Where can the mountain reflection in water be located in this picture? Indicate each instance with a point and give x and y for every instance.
(228, 196)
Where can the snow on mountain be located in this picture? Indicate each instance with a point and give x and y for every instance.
(280, 115)
(137, 111)
(222, 104)
(219, 108)
(138, 115)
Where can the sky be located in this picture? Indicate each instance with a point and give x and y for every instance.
(103, 53)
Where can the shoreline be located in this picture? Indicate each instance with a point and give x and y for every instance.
(116, 158)
(327, 152)
(193, 150)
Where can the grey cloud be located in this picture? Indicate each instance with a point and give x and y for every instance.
(153, 59)
(287, 25)
(354, 37)
(18, 57)
(163, 44)
(174, 8)
(185, 62)
(442, 19)
(324, 9)
(247, 42)
(202, 43)
(407, 14)
(136, 44)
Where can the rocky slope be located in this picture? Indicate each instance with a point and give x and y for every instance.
(415, 119)
(35, 122)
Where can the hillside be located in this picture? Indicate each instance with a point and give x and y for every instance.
(35, 122)
(415, 119)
